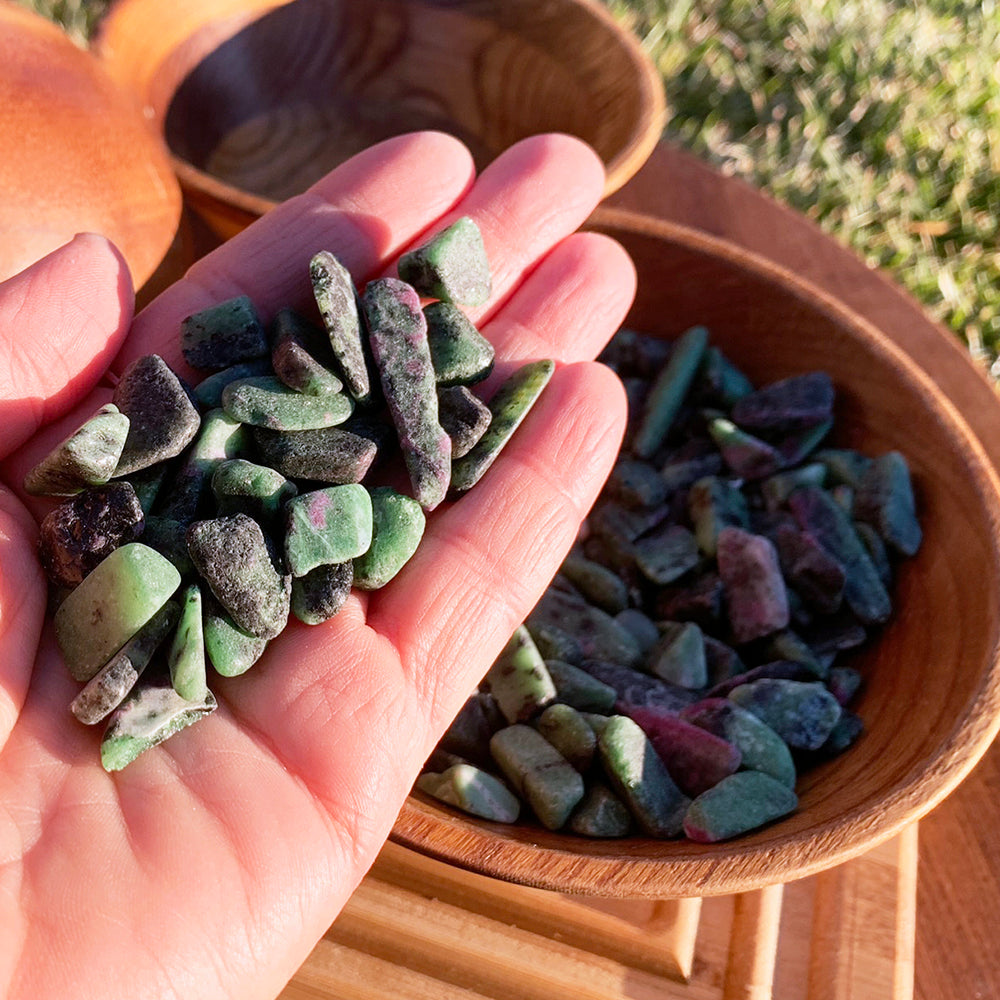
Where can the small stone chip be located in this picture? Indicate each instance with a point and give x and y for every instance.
(600, 814)
(761, 748)
(397, 526)
(397, 334)
(88, 457)
(508, 406)
(566, 729)
(598, 584)
(792, 404)
(738, 804)
(756, 599)
(464, 418)
(637, 688)
(302, 356)
(679, 656)
(145, 719)
(451, 266)
(695, 758)
(667, 554)
(332, 525)
(242, 487)
(538, 772)
(162, 419)
(745, 455)
(186, 656)
(105, 691)
(577, 688)
(233, 557)
(715, 503)
(327, 455)
(802, 713)
(265, 401)
(223, 335)
(460, 353)
(519, 680)
(334, 292)
(82, 531)
(208, 391)
(231, 650)
(668, 391)
(640, 778)
(112, 603)
(322, 592)
(885, 501)
(473, 791)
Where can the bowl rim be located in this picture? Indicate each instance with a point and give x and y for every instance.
(694, 870)
(241, 206)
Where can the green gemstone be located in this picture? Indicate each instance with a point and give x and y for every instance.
(331, 525)
(265, 401)
(397, 527)
(460, 353)
(245, 487)
(230, 650)
(186, 656)
(452, 266)
(112, 603)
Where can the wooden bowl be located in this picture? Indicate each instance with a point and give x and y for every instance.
(78, 155)
(932, 690)
(259, 98)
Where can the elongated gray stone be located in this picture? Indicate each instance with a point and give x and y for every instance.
(473, 791)
(302, 356)
(397, 333)
(232, 556)
(460, 353)
(265, 401)
(242, 487)
(223, 335)
(737, 804)
(150, 715)
(397, 526)
(640, 778)
(463, 417)
(162, 419)
(715, 503)
(88, 457)
(332, 525)
(82, 531)
(885, 501)
(756, 599)
(337, 299)
(106, 690)
(509, 406)
(669, 391)
(328, 455)
(451, 266)
(230, 650)
(538, 772)
(745, 454)
(791, 404)
(109, 607)
(519, 680)
(186, 656)
(577, 688)
(322, 592)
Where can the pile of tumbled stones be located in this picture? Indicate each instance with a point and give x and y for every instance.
(683, 665)
(199, 519)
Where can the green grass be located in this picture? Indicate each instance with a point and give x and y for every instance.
(880, 119)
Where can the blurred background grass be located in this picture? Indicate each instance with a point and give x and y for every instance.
(879, 119)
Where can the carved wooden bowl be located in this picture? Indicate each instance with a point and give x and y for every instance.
(932, 684)
(259, 98)
(77, 154)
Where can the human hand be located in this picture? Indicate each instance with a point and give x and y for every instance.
(211, 865)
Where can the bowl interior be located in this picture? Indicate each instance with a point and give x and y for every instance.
(931, 690)
(265, 101)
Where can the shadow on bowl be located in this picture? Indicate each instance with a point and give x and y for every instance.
(259, 99)
(932, 682)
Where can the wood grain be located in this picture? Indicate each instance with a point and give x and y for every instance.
(332, 77)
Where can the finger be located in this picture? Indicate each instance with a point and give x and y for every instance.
(364, 212)
(22, 608)
(355, 705)
(527, 200)
(63, 319)
(587, 275)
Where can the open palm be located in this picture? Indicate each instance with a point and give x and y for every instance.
(212, 865)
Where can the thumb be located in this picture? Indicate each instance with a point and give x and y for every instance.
(62, 320)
